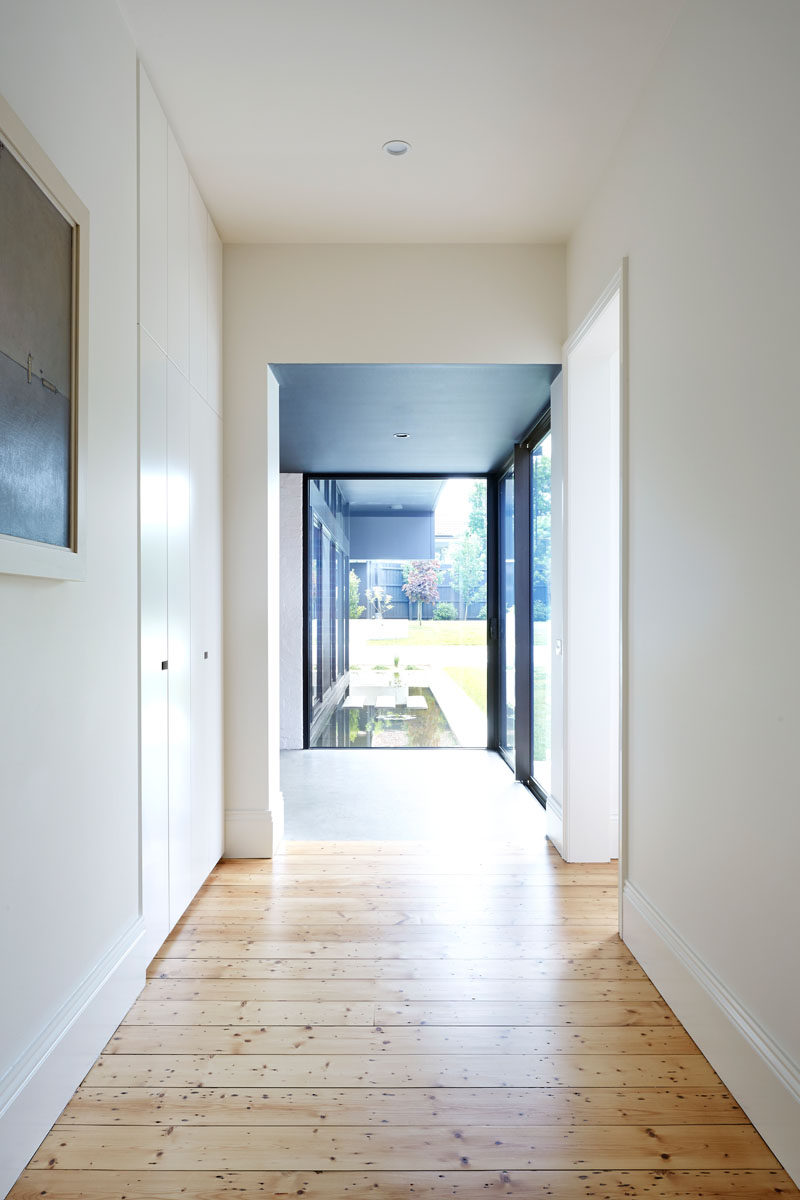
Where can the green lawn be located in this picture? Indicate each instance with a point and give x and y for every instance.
(541, 714)
(472, 681)
(441, 633)
(540, 633)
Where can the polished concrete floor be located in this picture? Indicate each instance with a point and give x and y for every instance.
(405, 795)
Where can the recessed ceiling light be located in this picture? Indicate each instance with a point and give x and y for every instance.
(396, 147)
(397, 507)
(401, 435)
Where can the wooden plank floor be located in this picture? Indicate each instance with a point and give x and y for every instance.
(391, 1020)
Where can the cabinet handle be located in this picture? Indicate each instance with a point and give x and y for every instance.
(165, 664)
(205, 654)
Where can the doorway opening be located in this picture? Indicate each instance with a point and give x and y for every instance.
(396, 612)
(584, 808)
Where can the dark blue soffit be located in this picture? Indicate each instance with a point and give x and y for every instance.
(341, 418)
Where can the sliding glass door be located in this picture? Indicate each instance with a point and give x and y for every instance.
(523, 665)
(540, 613)
(506, 724)
(328, 565)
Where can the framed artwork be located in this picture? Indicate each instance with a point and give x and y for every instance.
(44, 271)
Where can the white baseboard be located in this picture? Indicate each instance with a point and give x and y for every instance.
(757, 1070)
(613, 852)
(35, 1089)
(253, 834)
(555, 823)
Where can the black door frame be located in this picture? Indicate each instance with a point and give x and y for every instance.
(521, 763)
(524, 599)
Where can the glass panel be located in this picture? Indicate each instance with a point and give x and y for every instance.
(325, 612)
(406, 641)
(342, 604)
(540, 612)
(507, 640)
(333, 584)
(314, 611)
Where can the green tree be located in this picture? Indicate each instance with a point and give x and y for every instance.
(540, 535)
(356, 609)
(469, 570)
(477, 510)
(469, 560)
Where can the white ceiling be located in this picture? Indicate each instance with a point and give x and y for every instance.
(512, 108)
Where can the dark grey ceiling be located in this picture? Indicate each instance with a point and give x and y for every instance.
(415, 495)
(340, 418)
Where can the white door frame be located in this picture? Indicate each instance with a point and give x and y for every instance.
(616, 286)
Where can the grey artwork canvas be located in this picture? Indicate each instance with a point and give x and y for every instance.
(36, 298)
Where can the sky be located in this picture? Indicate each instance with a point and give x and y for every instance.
(452, 507)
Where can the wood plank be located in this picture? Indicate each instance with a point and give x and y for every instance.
(463, 970)
(405, 1106)
(280, 947)
(443, 860)
(373, 895)
(421, 1148)
(419, 874)
(400, 1040)
(147, 1013)
(463, 1012)
(379, 890)
(432, 889)
(584, 1184)
(391, 1071)
(466, 1012)
(276, 914)
(415, 864)
(628, 992)
(418, 934)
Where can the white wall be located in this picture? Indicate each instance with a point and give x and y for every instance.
(394, 304)
(291, 594)
(703, 197)
(69, 887)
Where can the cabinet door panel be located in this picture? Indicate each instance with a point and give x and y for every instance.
(198, 291)
(152, 213)
(154, 641)
(177, 256)
(178, 544)
(214, 319)
(206, 670)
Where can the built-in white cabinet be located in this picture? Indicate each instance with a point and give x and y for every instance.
(180, 272)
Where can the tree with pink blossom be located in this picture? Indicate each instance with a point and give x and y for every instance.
(422, 585)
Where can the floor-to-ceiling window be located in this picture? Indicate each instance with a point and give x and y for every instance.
(397, 612)
(506, 627)
(540, 613)
(328, 560)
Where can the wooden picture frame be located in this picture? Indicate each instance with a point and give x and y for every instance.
(44, 277)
